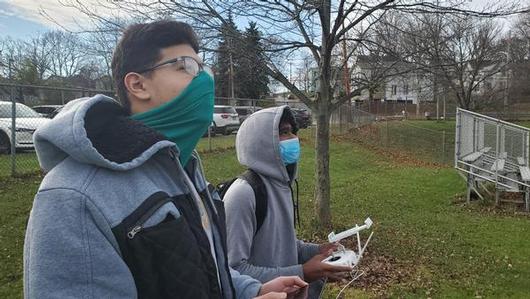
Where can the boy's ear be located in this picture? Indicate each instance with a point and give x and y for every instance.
(136, 86)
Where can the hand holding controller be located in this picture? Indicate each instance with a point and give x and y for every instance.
(348, 258)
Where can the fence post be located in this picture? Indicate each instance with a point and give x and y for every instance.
(443, 147)
(497, 148)
(13, 131)
(387, 134)
(210, 139)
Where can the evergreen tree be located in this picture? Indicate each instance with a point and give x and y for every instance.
(28, 73)
(251, 75)
(227, 60)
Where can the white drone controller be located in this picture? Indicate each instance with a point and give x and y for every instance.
(344, 257)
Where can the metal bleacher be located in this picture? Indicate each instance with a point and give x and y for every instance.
(491, 150)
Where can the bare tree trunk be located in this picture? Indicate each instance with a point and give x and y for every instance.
(322, 188)
(436, 97)
(370, 100)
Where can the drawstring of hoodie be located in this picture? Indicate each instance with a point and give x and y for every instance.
(296, 211)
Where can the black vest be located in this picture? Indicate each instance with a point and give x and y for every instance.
(173, 259)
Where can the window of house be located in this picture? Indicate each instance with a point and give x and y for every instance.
(406, 89)
(394, 89)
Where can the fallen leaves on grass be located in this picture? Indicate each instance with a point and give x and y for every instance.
(488, 207)
(397, 157)
(380, 273)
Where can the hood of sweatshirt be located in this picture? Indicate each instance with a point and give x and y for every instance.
(99, 132)
(257, 144)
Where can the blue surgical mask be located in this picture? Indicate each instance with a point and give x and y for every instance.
(290, 151)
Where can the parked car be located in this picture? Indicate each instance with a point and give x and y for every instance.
(26, 122)
(245, 111)
(48, 111)
(302, 116)
(225, 119)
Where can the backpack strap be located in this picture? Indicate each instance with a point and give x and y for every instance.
(260, 193)
(223, 187)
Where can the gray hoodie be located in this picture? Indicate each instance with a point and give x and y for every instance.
(274, 251)
(101, 167)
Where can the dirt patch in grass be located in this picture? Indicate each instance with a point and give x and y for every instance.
(401, 158)
(395, 156)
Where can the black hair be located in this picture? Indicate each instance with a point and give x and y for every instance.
(288, 117)
(140, 46)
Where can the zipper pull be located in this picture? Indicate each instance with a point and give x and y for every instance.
(134, 231)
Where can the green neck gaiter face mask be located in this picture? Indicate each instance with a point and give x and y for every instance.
(185, 118)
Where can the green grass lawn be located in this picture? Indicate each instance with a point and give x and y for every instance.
(25, 162)
(432, 141)
(425, 244)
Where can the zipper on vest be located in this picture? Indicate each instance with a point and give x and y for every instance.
(138, 226)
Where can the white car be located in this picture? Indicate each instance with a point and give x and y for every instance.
(48, 111)
(225, 119)
(27, 121)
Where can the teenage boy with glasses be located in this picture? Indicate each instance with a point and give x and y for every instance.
(124, 210)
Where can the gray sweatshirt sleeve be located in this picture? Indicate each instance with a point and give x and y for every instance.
(68, 252)
(306, 251)
(246, 287)
(241, 224)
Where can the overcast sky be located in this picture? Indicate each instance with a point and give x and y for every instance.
(22, 18)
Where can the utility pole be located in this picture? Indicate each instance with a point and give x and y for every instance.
(232, 93)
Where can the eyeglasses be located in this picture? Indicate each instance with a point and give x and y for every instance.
(183, 63)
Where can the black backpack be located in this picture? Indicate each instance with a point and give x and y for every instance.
(260, 193)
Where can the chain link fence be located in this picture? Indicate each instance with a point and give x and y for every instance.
(24, 108)
(425, 139)
(430, 141)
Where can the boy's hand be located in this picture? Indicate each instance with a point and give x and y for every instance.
(315, 269)
(280, 287)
